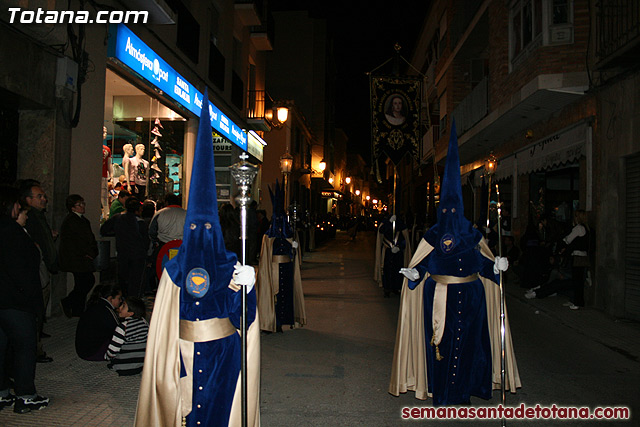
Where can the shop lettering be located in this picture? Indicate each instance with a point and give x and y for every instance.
(543, 143)
(198, 101)
(160, 74)
(140, 57)
(213, 114)
(182, 84)
(237, 133)
(182, 94)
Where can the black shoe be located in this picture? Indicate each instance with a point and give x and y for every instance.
(24, 405)
(7, 400)
(44, 335)
(43, 358)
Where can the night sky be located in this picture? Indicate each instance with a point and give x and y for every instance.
(364, 34)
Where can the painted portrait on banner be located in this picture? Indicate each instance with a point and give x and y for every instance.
(395, 109)
(395, 105)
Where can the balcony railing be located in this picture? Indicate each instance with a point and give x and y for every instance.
(473, 108)
(617, 31)
(259, 108)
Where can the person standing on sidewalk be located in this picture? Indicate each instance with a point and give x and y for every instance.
(132, 245)
(448, 336)
(578, 245)
(21, 304)
(33, 195)
(78, 248)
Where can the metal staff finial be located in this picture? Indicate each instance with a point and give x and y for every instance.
(502, 311)
(243, 174)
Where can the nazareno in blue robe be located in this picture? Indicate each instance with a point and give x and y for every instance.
(465, 368)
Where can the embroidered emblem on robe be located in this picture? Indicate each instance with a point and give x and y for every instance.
(198, 282)
(447, 243)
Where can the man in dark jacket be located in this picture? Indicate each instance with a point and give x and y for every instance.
(33, 195)
(20, 306)
(132, 245)
(78, 248)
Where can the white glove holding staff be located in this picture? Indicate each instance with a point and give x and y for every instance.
(501, 264)
(244, 275)
(410, 273)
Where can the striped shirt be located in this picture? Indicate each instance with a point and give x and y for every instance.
(127, 347)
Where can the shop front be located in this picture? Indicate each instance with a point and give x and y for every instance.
(551, 177)
(150, 124)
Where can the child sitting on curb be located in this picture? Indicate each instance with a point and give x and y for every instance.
(127, 347)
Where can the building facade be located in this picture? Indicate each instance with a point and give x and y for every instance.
(80, 93)
(526, 81)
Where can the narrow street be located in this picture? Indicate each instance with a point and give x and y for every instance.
(335, 370)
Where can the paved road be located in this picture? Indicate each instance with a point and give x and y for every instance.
(335, 370)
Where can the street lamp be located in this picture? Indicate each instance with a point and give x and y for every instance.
(278, 116)
(282, 114)
(357, 192)
(322, 165)
(348, 180)
(286, 165)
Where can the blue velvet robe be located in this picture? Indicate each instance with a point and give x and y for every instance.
(284, 299)
(465, 369)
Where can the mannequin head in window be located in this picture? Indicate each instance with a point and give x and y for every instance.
(139, 150)
(128, 150)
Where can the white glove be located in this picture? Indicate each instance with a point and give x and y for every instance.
(410, 273)
(244, 275)
(393, 218)
(294, 245)
(395, 249)
(501, 264)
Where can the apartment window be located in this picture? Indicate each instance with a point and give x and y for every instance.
(215, 25)
(237, 90)
(560, 11)
(216, 66)
(534, 23)
(188, 34)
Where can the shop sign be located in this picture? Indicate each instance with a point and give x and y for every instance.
(221, 144)
(134, 53)
(331, 194)
(255, 147)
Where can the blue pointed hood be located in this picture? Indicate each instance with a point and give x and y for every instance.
(453, 233)
(279, 223)
(202, 243)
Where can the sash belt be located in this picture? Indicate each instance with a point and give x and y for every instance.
(439, 313)
(206, 330)
(280, 259)
(454, 279)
